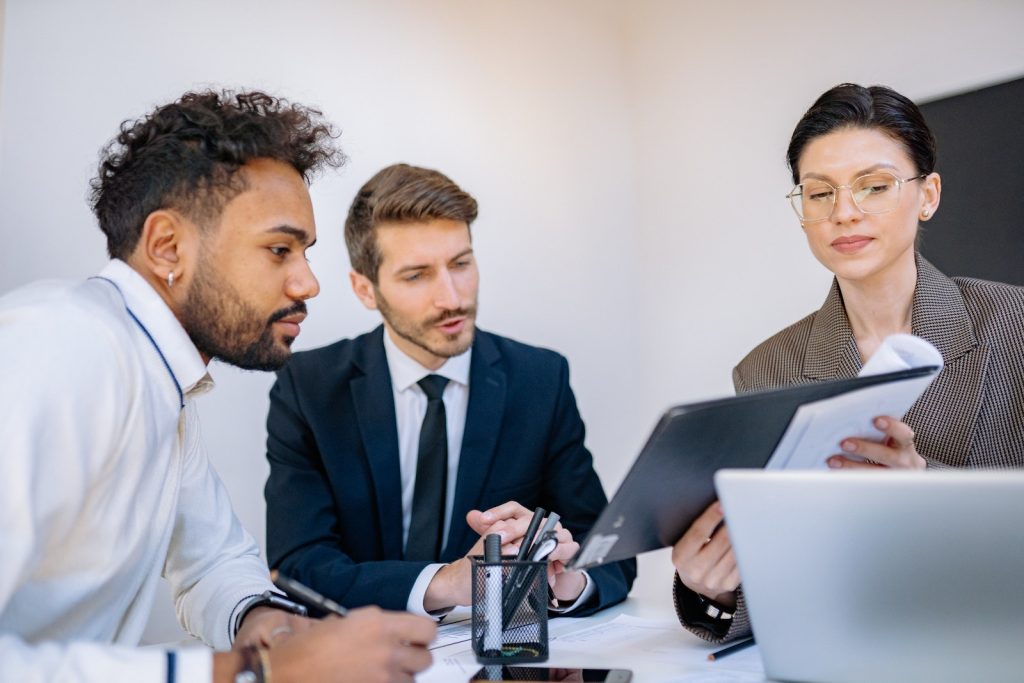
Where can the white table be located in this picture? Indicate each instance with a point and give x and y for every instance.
(642, 634)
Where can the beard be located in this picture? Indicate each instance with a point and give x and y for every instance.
(224, 326)
(418, 333)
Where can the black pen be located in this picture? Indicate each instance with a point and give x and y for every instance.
(524, 546)
(306, 595)
(735, 647)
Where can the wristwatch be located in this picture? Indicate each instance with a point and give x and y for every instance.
(269, 599)
(713, 609)
(709, 614)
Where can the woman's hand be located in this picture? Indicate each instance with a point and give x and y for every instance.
(896, 450)
(704, 559)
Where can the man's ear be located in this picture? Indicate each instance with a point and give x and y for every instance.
(364, 290)
(164, 251)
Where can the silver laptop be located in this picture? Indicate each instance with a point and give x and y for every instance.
(894, 576)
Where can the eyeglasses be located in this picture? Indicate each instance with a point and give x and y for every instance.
(878, 192)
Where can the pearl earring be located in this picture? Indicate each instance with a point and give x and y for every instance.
(926, 213)
(170, 279)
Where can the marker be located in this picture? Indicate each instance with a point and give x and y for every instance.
(306, 594)
(492, 595)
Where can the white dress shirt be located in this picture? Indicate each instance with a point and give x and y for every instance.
(410, 408)
(105, 487)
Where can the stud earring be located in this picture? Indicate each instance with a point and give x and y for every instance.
(926, 213)
(170, 279)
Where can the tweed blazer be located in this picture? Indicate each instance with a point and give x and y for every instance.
(972, 414)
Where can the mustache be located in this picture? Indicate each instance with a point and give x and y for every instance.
(455, 313)
(297, 307)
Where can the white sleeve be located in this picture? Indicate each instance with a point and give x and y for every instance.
(82, 662)
(419, 593)
(213, 564)
(51, 449)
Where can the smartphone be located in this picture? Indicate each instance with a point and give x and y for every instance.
(544, 674)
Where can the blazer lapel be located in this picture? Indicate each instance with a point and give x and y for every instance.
(487, 385)
(831, 349)
(953, 401)
(375, 413)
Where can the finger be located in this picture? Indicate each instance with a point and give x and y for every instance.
(563, 535)
(838, 462)
(872, 450)
(900, 433)
(702, 528)
(717, 578)
(564, 551)
(482, 528)
(712, 552)
(509, 510)
(693, 571)
(412, 659)
(412, 629)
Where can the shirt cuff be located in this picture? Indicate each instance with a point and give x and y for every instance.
(588, 590)
(419, 593)
(194, 664)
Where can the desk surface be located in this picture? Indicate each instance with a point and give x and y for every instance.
(641, 634)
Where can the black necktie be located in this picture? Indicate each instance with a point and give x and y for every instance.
(427, 526)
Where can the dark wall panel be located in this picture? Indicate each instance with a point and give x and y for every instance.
(979, 228)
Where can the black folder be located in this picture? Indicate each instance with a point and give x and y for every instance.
(671, 482)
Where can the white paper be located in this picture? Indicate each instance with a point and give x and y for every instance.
(816, 430)
(452, 632)
(661, 640)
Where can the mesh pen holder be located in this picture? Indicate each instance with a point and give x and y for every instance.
(510, 611)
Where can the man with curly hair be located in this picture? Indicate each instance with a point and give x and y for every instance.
(104, 482)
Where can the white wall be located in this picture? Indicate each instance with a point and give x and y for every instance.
(605, 142)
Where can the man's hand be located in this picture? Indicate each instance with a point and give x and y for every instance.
(514, 519)
(368, 646)
(896, 450)
(452, 585)
(704, 559)
(265, 627)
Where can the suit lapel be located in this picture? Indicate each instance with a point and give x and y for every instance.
(487, 385)
(831, 349)
(375, 414)
(950, 406)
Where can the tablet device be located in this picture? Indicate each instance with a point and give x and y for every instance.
(670, 483)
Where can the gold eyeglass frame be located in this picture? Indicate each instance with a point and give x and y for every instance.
(798, 191)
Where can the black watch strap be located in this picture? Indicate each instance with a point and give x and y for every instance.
(272, 600)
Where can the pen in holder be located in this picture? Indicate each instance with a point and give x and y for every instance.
(510, 610)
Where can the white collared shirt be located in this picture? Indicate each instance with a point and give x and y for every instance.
(410, 408)
(105, 486)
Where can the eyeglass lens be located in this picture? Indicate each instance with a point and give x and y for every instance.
(814, 200)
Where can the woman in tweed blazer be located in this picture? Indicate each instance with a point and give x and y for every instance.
(874, 143)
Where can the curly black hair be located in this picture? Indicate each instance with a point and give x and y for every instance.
(186, 156)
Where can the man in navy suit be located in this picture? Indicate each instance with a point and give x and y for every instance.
(394, 453)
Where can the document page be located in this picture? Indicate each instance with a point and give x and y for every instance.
(817, 428)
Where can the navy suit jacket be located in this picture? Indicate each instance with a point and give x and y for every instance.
(334, 505)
